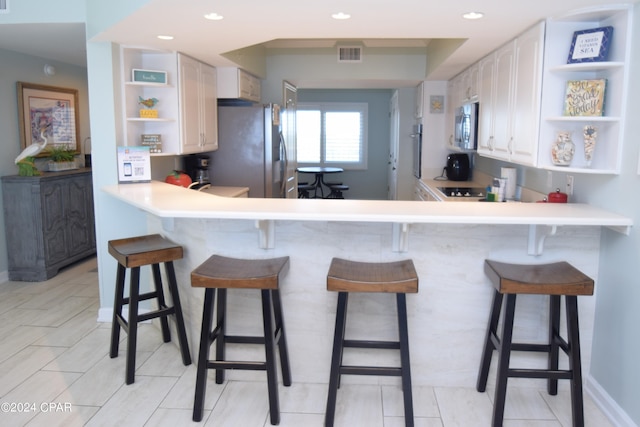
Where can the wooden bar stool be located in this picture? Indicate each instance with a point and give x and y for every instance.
(556, 280)
(221, 273)
(397, 277)
(134, 253)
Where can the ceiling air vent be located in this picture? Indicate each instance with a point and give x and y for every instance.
(4, 6)
(349, 53)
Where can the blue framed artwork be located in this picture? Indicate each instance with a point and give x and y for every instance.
(590, 45)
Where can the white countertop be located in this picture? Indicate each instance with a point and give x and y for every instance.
(170, 201)
(226, 191)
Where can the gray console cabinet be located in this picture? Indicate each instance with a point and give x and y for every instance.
(49, 222)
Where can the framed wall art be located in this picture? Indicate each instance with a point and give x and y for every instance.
(49, 108)
(590, 45)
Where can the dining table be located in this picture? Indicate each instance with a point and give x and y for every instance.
(319, 172)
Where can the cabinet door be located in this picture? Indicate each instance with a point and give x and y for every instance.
(79, 214)
(526, 96)
(450, 105)
(502, 138)
(189, 105)
(209, 108)
(486, 69)
(54, 196)
(473, 75)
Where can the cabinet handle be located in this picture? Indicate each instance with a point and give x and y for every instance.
(510, 145)
(451, 140)
(491, 143)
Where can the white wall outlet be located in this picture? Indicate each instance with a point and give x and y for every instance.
(570, 185)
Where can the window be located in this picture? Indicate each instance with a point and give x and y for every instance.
(332, 134)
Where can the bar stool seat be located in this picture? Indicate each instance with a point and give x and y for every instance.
(133, 253)
(304, 189)
(216, 275)
(336, 191)
(555, 280)
(346, 276)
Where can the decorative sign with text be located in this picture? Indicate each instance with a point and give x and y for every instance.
(585, 97)
(134, 164)
(590, 45)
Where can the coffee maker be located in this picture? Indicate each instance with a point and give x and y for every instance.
(197, 167)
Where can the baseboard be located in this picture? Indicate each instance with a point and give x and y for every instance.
(105, 314)
(607, 405)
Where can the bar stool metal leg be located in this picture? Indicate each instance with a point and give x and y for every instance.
(574, 360)
(281, 337)
(203, 354)
(336, 358)
(504, 356)
(117, 312)
(177, 307)
(159, 293)
(489, 342)
(405, 364)
(554, 341)
(132, 335)
(221, 331)
(270, 356)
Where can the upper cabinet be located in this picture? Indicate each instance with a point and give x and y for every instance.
(169, 102)
(509, 94)
(198, 106)
(597, 139)
(235, 83)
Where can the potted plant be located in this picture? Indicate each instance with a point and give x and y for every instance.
(61, 158)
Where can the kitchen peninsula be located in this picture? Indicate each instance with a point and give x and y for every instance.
(448, 243)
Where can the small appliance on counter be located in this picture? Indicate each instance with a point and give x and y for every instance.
(197, 167)
(458, 167)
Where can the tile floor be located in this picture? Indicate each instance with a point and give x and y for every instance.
(55, 371)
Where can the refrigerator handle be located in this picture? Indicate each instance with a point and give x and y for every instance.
(283, 170)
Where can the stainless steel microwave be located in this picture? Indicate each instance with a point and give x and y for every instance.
(466, 126)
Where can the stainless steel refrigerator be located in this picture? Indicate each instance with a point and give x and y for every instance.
(252, 151)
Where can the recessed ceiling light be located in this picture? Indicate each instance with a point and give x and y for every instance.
(473, 15)
(341, 15)
(213, 16)
(161, 37)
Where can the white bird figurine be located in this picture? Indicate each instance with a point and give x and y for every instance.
(35, 148)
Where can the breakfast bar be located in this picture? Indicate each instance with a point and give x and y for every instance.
(448, 242)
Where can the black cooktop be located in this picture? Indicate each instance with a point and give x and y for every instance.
(463, 191)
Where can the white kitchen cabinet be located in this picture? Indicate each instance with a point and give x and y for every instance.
(509, 95)
(166, 123)
(235, 83)
(453, 87)
(486, 97)
(527, 87)
(198, 106)
(610, 126)
(469, 84)
(423, 193)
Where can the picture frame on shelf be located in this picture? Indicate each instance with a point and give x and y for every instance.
(51, 106)
(591, 45)
(149, 76)
(584, 98)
